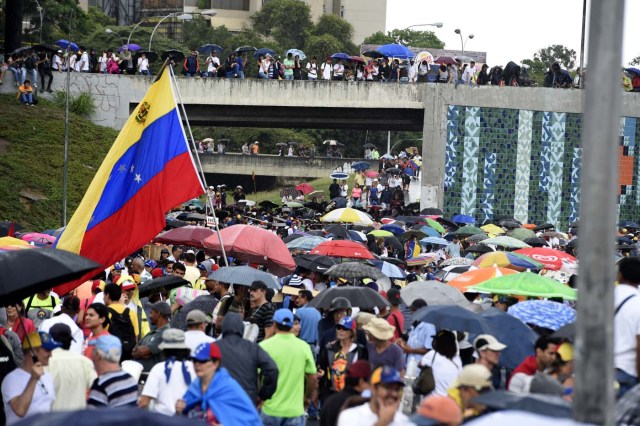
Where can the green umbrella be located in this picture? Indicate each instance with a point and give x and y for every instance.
(380, 233)
(469, 230)
(293, 204)
(436, 225)
(508, 242)
(522, 234)
(525, 284)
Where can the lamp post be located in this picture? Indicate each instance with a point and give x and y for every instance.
(437, 24)
(110, 31)
(463, 41)
(182, 16)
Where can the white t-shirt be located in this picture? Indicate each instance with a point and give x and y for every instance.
(326, 71)
(143, 64)
(72, 62)
(76, 332)
(166, 393)
(343, 190)
(57, 62)
(312, 70)
(338, 70)
(213, 62)
(194, 338)
(15, 383)
(445, 370)
(626, 326)
(84, 61)
(308, 284)
(468, 74)
(363, 416)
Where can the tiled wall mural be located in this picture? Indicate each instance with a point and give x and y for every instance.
(526, 164)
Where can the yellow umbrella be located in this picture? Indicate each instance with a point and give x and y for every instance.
(492, 229)
(10, 241)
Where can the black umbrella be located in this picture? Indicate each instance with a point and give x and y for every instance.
(26, 272)
(479, 248)
(21, 50)
(208, 48)
(317, 232)
(393, 170)
(355, 270)
(206, 303)
(5, 226)
(536, 242)
(168, 283)
(268, 204)
(45, 47)
(394, 260)
(361, 297)
(341, 202)
(567, 331)
(510, 224)
(116, 416)
(293, 143)
(549, 405)
(175, 223)
(394, 242)
(373, 54)
(448, 223)
(543, 227)
(315, 262)
(432, 211)
(175, 55)
(282, 144)
(338, 231)
(196, 216)
(151, 56)
(243, 49)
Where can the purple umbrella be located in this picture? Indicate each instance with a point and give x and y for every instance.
(132, 47)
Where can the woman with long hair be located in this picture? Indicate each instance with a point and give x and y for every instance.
(444, 361)
(18, 322)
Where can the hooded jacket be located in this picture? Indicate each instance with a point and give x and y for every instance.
(243, 359)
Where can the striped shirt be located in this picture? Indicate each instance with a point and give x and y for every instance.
(113, 389)
(262, 317)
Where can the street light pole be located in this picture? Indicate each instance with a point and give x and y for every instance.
(437, 24)
(463, 41)
(182, 16)
(584, 22)
(110, 31)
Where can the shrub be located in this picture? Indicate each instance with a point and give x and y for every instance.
(81, 104)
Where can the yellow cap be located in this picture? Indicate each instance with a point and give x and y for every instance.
(565, 351)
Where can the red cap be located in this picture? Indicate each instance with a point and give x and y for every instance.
(157, 273)
(214, 351)
(215, 267)
(359, 370)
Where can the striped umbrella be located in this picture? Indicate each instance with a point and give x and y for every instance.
(507, 260)
(347, 215)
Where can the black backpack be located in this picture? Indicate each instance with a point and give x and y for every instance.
(122, 328)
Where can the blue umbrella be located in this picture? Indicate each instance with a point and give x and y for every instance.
(433, 240)
(361, 166)
(389, 269)
(356, 236)
(305, 243)
(463, 218)
(543, 313)
(396, 51)
(111, 417)
(132, 47)
(430, 231)
(519, 338)
(340, 202)
(339, 175)
(453, 318)
(243, 275)
(66, 44)
(264, 52)
(629, 224)
(341, 55)
(394, 229)
(296, 52)
(208, 48)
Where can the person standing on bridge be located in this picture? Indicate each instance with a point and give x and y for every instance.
(255, 148)
(191, 66)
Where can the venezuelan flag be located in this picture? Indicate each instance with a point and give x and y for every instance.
(148, 171)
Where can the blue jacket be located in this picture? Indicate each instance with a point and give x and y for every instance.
(225, 398)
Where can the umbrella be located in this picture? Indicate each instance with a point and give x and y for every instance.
(445, 60)
(305, 188)
(369, 145)
(522, 234)
(436, 225)
(196, 217)
(510, 223)
(552, 259)
(187, 235)
(434, 293)
(551, 405)
(357, 236)
(19, 278)
(457, 261)
(175, 223)
(347, 215)
(296, 52)
(463, 218)
(492, 229)
(175, 55)
(628, 224)
(360, 297)
(132, 47)
(12, 241)
(38, 238)
(339, 175)
(394, 243)
(544, 227)
(342, 56)
(517, 417)
(267, 204)
(357, 59)
(567, 331)
(360, 166)
(354, 270)
(20, 50)
(394, 229)
(468, 230)
(316, 193)
(423, 56)
(338, 231)
(447, 273)
(283, 144)
(479, 248)
(506, 260)
(508, 242)
(452, 317)
(66, 44)
(294, 236)
(435, 240)
(446, 222)
(305, 243)
(463, 58)
(536, 242)
(264, 51)
(152, 56)
(253, 245)
(45, 47)
(371, 174)
(8, 227)
(243, 275)
(168, 283)
(431, 211)
(525, 284)
(395, 50)
(243, 49)
(294, 204)
(373, 54)
(208, 48)
(340, 202)
(116, 416)
(393, 170)
(314, 262)
(474, 239)
(429, 231)
(477, 276)
(343, 248)
(413, 233)
(519, 338)
(543, 313)
(388, 269)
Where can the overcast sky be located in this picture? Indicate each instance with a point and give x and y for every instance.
(509, 30)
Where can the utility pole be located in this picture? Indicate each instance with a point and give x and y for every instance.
(584, 29)
(594, 397)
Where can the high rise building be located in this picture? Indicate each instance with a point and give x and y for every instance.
(366, 16)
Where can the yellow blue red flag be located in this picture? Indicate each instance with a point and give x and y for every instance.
(148, 171)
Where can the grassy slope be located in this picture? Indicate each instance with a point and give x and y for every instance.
(34, 161)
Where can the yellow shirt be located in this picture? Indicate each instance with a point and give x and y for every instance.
(119, 308)
(43, 304)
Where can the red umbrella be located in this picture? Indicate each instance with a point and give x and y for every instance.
(253, 245)
(357, 59)
(445, 60)
(305, 188)
(552, 259)
(187, 236)
(343, 248)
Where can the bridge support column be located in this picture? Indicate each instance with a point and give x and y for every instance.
(433, 148)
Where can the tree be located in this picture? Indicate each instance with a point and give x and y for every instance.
(536, 70)
(322, 46)
(556, 53)
(335, 26)
(408, 37)
(197, 32)
(338, 29)
(287, 21)
(635, 61)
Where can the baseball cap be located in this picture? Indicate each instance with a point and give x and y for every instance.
(173, 338)
(474, 375)
(207, 352)
(162, 308)
(118, 266)
(127, 283)
(283, 317)
(39, 340)
(386, 375)
(565, 351)
(108, 347)
(359, 370)
(437, 410)
(197, 317)
(347, 322)
(487, 341)
(393, 296)
(151, 264)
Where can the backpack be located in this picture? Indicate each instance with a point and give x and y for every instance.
(30, 63)
(39, 314)
(122, 328)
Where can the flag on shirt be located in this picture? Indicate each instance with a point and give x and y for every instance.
(148, 171)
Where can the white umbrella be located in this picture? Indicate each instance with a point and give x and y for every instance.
(423, 56)
(347, 215)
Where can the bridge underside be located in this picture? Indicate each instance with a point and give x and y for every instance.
(386, 119)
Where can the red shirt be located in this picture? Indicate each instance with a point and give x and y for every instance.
(88, 350)
(396, 319)
(19, 328)
(529, 367)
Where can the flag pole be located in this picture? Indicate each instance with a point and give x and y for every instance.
(197, 155)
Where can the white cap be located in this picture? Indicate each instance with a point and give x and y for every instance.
(487, 341)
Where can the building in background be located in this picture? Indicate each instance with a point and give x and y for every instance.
(366, 16)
